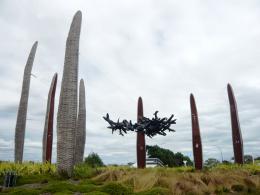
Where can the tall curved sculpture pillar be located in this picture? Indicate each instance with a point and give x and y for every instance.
(48, 127)
(140, 145)
(22, 109)
(236, 132)
(81, 125)
(67, 110)
(196, 139)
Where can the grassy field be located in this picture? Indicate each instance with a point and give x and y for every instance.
(222, 179)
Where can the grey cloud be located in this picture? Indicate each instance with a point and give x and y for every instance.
(161, 51)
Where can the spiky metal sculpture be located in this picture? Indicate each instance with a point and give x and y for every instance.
(144, 126)
(196, 139)
(48, 127)
(22, 110)
(67, 111)
(150, 127)
(81, 125)
(236, 132)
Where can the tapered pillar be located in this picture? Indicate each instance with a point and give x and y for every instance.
(48, 127)
(236, 132)
(140, 145)
(81, 125)
(22, 109)
(67, 110)
(196, 139)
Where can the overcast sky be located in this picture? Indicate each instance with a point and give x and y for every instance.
(160, 50)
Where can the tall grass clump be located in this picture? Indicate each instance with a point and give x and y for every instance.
(27, 168)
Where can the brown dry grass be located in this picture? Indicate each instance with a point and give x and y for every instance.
(221, 179)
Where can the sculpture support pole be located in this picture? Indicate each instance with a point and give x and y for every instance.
(22, 109)
(140, 145)
(236, 132)
(196, 139)
(48, 127)
(67, 111)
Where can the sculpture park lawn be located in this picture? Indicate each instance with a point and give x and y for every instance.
(36, 178)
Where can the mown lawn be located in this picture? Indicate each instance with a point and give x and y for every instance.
(222, 179)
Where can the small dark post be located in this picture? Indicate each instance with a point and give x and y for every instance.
(196, 139)
(140, 145)
(236, 132)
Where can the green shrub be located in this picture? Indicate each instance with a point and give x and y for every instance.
(155, 191)
(21, 191)
(59, 186)
(85, 171)
(23, 169)
(114, 188)
(237, 188)
(97, 193)
(93, 160)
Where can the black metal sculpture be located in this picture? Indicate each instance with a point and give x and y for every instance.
(149, 127)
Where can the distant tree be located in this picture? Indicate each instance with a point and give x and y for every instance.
(257, 158)
(130, 163)
(211, 162)
(226, 162)
(248, 159)
(94, 160)
(188, 161)
(167, 156)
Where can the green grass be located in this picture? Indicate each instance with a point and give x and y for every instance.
(222, 179)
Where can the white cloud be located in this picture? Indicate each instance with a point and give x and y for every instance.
(160, 50)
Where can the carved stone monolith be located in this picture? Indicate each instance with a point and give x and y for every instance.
(140, 144)
(22, 109)
(81, 125)
(67, 111)
(236, 132)
(196, 139)
(48, 127)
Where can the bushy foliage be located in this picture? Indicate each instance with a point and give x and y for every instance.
(85, 171)
(211, 162)
(248, 159)
(116, 189)
(93, 160)
(167, 156)
(23, 169)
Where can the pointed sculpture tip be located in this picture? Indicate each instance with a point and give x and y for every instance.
(81, 83)
(78, 15)
(55, 75)
(75, 25)
(229, 86)
(35, 44)
(191, 96)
